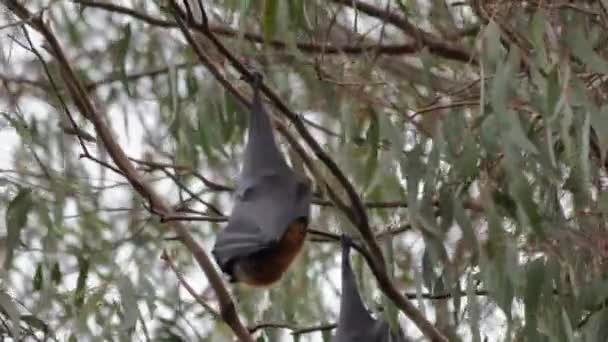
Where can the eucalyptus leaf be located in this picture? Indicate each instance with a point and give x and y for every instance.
(271, 8)
(15, 219)
(128, 298)
(122, 48)
(81, 282)
(582, 48)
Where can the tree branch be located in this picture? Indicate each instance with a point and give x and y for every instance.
(328, 49)
(435, 44)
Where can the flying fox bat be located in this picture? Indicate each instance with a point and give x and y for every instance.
(355, 323)
(267, 226)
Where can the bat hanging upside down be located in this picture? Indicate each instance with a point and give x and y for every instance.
(267, 226)
(355, 323)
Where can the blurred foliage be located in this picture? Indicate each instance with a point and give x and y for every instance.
(485, 179)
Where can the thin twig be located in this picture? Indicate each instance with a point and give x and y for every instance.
(385, 49)
(435, 44)
(165, 257)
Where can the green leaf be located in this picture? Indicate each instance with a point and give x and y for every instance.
(474, 310)
(600, 319)
(148, 291)
(565, 132)
(8, 306)
(521, 191)
(493, 49)
(81, 282)
(394, 135)
(585, 138)
(599, 123)
(269, 17)
(603, 202)
(537, 32)
(446, 207)
(500, 89)
(496, 264)
(428, 274)
(56, 274)
(583, 50)
(534, 283)
(71, 28)
(516, 134)
(467, 160)
(122, 48)
(45, 217)
(414, 169)
(567, 326)
(426, 58)
(38, 278)
(490, 129)
(554, 93)
(95, 299)
(191, 82)
(19, 125)
(128, 299)
(16, 219)
(204, 137)
(174, 95)
(373, 138)
(468, 233)
(35, 322)
(297, 10)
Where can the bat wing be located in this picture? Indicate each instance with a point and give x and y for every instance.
(263, 210)
(355, 323)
